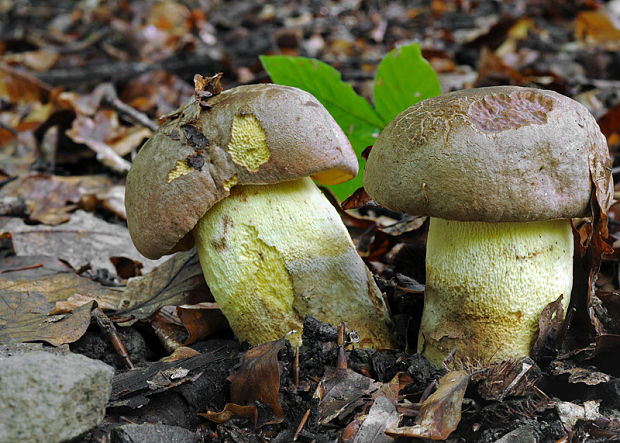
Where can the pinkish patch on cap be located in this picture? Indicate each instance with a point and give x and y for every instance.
(499, 112)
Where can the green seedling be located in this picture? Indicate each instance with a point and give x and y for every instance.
(403, 78)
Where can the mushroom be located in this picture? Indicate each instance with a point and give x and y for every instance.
(232, 176)
(500, 171)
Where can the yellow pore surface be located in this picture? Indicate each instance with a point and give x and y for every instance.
(487, 284)
(273, 253)
(248, 142)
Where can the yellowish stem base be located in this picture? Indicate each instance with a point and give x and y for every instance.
(272, 254)
(487, 284)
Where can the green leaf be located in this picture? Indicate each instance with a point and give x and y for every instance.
(403, 78)
(357, 118)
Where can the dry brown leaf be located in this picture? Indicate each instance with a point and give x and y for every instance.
(258, 379)
(24, 317)
(180, 353)
(382, 414)
(344, 391)
(201, 320)
(52, 198)
(550, 326)
(21, 87)
(230, 410)
(610, 125)
(96, 133)
(596, 27)
(157, 93)
(359, 198)
(440, 413)
(40, 60)
(85, 239)
(576, 374)
(177, 281)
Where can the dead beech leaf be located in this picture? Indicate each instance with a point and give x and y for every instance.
(21, 87)
(52, 198)
(258, 379)
(201, 320)
(40, 60)
(85, 239)
(382, 414)
(577, 374)
(359, 198)
(50, 277)
(440, 413)
(180, 353)
(93, 132)
(610, 125)
(230, 410)
(596, 27)
(24, 317)
(493, 71)
(177, 281)
(550, 325)
(344, 391)
(157, 92)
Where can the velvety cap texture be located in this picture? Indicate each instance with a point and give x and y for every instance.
(491, 154)
(257, 134)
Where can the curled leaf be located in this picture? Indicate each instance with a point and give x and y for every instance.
(440, 413)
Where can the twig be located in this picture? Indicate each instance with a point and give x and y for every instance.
(108, 328)
(111, 99)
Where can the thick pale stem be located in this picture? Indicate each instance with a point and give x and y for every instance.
(272, 254)
(487, 284)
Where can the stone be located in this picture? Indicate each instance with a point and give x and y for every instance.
(48, 397)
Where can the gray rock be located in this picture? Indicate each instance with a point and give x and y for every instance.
(524, 434)
(46, 397)
(154, 433)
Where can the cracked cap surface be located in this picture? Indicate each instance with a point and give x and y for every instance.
(256, 134)
(491, 154)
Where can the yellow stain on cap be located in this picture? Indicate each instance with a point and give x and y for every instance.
(248, 142)
(181, 168)
(232, 181)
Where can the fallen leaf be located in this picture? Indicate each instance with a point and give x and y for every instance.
(20, 87)
(52, 198)
(610, 125)
(570, 413)
(177, 281)
(576, 374)
(258, 379)
(595, 27)
(84, 240)
(359, 198)
(382, 414)
(231, 410)
(24, 317)
(550, 325)
(97, 133)
(201, 320)
(344, 391)
(440, 413)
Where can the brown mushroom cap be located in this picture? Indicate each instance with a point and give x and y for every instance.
(190, 163)
(491, 154)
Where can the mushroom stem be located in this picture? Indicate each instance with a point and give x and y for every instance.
(272, 254)
(487, 284)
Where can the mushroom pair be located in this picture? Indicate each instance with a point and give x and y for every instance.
(232, 176)
(500, 171)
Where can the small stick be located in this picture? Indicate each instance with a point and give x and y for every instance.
(111, 99)
(318, 394)
(296, 367)
(341, 362)
(526, 367)
(108, 329)
(25, 268)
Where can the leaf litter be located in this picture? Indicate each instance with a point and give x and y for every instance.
(56, 161)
